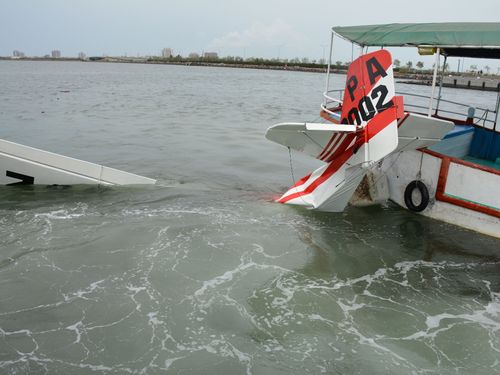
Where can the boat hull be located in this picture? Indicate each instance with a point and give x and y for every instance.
(460, 192)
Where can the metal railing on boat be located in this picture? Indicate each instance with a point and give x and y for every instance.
(486, 117)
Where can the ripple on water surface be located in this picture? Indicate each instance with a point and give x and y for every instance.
(126, 280)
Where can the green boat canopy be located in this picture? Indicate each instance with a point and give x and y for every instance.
(464, 39)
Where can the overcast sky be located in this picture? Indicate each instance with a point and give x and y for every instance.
(260, 28)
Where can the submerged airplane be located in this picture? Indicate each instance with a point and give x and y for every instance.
(364, 128)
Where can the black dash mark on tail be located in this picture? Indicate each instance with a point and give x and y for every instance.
(25, 180)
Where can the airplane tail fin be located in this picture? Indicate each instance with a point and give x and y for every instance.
(368, 132)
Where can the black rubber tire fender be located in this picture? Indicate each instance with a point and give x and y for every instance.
(424, 192)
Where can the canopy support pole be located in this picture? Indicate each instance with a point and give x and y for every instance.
(496, 111)
(441, 79)
(329, 67)
(436, 67)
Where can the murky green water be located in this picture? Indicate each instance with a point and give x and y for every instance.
(203, 273)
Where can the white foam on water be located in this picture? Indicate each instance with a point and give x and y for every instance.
(224, 278)
(153, 320)
(82, 293)
(260, 249)
(169, 362)
(66, 213)
(76, 328)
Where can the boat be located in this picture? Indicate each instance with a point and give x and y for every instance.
(436, 157)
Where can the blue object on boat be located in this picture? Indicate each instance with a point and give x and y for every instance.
(336, 116)
(459, 130)
(485, 144)
(456, 143)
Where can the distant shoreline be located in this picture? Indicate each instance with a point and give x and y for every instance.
(218, 64)
(490, 83)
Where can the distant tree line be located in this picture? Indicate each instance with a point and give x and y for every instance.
(305, 62)
(237, 60)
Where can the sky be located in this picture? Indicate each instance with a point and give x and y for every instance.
(252, 28)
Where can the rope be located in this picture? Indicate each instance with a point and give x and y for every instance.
(291, 165)
(307, 135)
(419, 174)
(293, 176)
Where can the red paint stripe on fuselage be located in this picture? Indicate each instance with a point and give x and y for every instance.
(332, 168)
(341, 148)
(329, 145)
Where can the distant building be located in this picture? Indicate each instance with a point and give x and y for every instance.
(56, 54)
(194, 55)
(17, 53)
(82, 56)
(211, 55)
(167, 52)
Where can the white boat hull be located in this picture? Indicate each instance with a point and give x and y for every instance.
(460, 193)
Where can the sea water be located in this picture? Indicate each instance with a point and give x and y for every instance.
(203, 273)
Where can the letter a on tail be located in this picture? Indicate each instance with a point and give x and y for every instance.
(368, 132)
